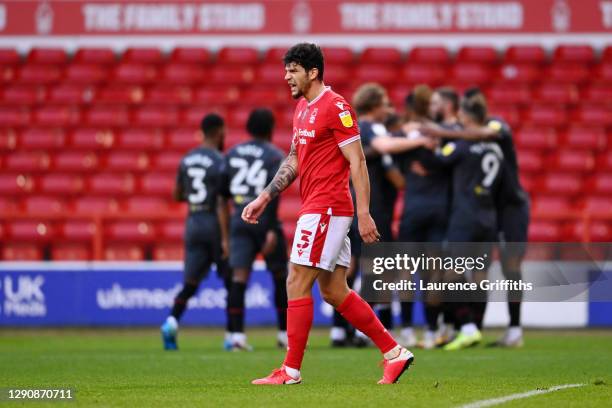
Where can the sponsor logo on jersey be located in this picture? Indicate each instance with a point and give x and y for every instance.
(346, 119)
(306, 133)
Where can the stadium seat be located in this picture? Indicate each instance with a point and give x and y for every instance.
(606, 54)
(129, 231)
(560, 184)
(597, 92)
(71, 252)
(546, 115)
(7, 206)
(567, 73)
(418, 73)
(15, 116)
(477, 54)
(54, 56)
(530, 161)
(594, 115)
(596, 205)
(429, 55)
(192, 116)
(15, 184)
(595, 231)
(582, 54)
(107, 115)
(237, 117)
(531, 54)
(184, 74)
(508, 113)
(604, 160)
(238, 56)
(97, 56)
(39, 74)
(604, 72)
(275, 55)
(273, 74)
(557, 93)
(140, 139)
(550, 205)
(111, 184)
(9, 56)
(229, 75)
(158, 184)
(191, 55)
(336, 76)
(8, 139)
(127, 161)
(21, 252)
(27, 161)
(155, 116)
(502, 93)
(338, 56)
(169, 95)
(289, 208)
(215, 95)
(61, 184)
(88, 74)
(381, 74)
(123, 252)
(38, 205)
(544, 231)
(381, 55)
(168, 161)
(183, 139)
(586, 137)
(115, 95)
(168, 252)
(575, 161)
(77, 231)
(57, 116)
(266, 97)
(135, 74)
(65, 94)
(42, 139)
(145, 205)
(519, 73)
(601, 183)
(30, 231)
(92, 138)
(95, 205)
(16, 95)
(152, 55)
(171, 231)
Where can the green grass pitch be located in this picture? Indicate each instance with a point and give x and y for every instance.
(127, 368)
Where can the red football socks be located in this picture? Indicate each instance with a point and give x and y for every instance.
(299, 321)
(362, 317)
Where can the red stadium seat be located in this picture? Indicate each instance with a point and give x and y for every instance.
(601, 184)
(544, 231)
(238, 55)
(141, 139)
(189, 55)
(381, 55)
(193, 116)
(30, 231)
(168, 252)
(568, 73)
(336, 76)
(606, 54)
(213, 95)
(123, 252)
(289, 208)
(158, 184)
(596, 92)
(509, 113)
(382, 74)
(572, 161)
(57, 116)
(8, 139)
(604, 160)
(429, 55)
(42, 139)
(238, 75)
(502, 93)
(127, 161)
(61, 184)
(171, 231)
(586, 137)
(39, 74)
(13, 116)
(557, 93)
(51, 56)
(27, 161)
(415, 73)
(522, 73)
(44, 205)
(97, 56)
(14, 184)
(542, 115)
(533, 54)
(338, 56)
(183, 139)
(550, 204)
(184, 74)
(155, 116)
(146, 205)
(275, 55)
(21, 252)
(530, 161)
(92, 138)
(477, 54)
(596, 205)
(143, 55)
(168, 161)
(169, 95)
(119, 95)
(131, 73)
(596, 231)
(77, 231)
(7, 206)
(582, 54)
(129, 231)
(560, 184)
(107, 115)
(604, 72)
(273, 74)
(111, 184)
(268, 96)
(70, 94)
(17, 95)
(9, 56)
(86, 74)
(237, 117)
(71, 252)
(594, 115)
(95, 205)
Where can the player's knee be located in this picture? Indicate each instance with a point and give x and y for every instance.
(189, 289)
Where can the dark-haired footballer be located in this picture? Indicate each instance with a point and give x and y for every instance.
(325, 151)
(249, 168)
(198, 182)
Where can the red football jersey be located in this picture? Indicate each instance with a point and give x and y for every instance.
(320, 128)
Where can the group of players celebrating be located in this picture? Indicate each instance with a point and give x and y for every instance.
(455, 165)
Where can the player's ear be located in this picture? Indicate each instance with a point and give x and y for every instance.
(313, 74)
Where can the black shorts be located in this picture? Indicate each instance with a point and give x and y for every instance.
(423, 224)
(247, 240)
(202, 245)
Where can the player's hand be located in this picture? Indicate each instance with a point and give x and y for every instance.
(252, 212)
(367, 229)
(270, 245)
(429, 143)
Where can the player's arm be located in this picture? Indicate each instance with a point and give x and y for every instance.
(178, 193)
(286, 174)
(444, 157)
(483, 132)
(361, 183)
(395, 145)
(224, 216)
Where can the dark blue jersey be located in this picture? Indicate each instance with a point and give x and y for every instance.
(249, 168)
(199, 179)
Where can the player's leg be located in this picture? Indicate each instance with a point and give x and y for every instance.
(276, 262)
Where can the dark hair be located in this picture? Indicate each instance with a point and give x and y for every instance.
(476, 107)
(368, 97)
(473, 91)
(392, 121)
(308, 56)
(211, 124)
(448, 93)
(260, 123)
(418, 100)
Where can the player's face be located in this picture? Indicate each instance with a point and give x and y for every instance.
(436, 107)
(298, 79)
(382, 112)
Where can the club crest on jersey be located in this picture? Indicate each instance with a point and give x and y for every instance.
(340, 105)
(346, 118)
(313, 116)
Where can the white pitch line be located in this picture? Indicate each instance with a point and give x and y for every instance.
(511, 397)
